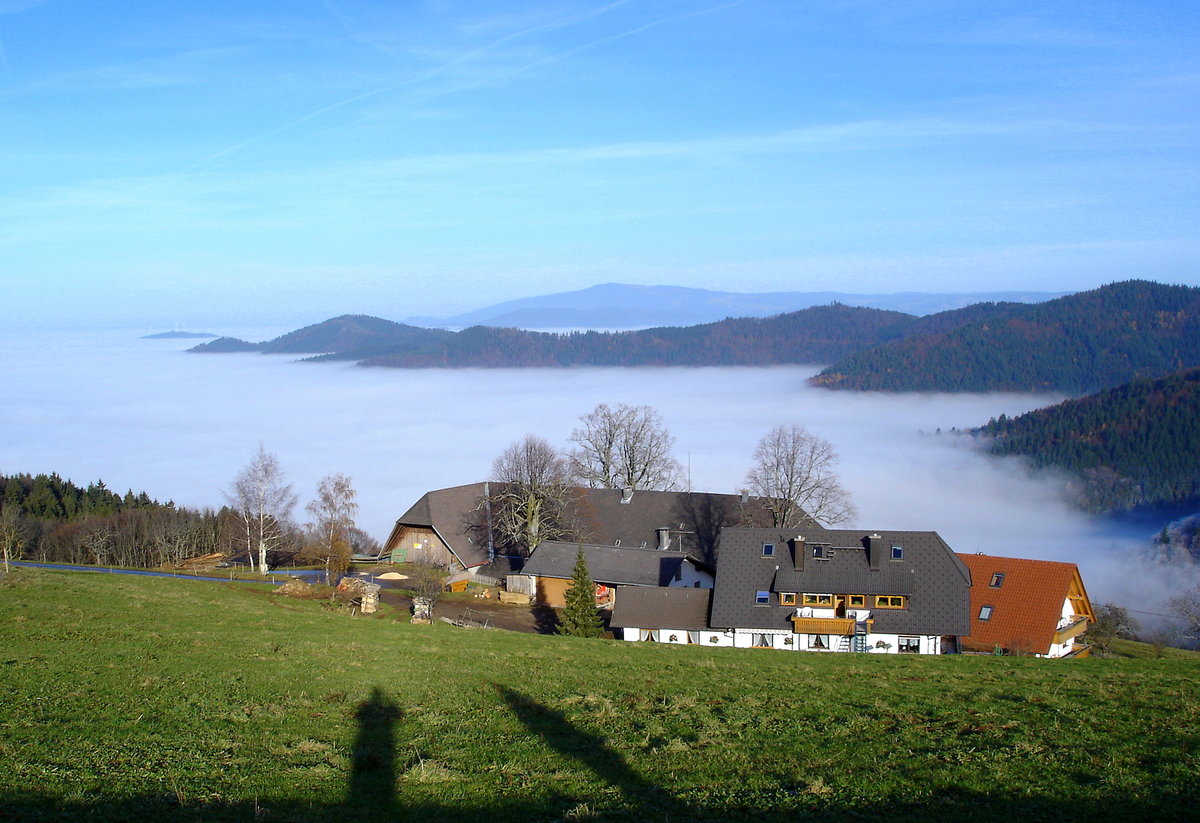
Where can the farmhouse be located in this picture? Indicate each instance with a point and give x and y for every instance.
(826, 590)
(549, 570)
(1035, 607)
(448, 527)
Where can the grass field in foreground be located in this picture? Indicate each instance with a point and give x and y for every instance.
(125, 698)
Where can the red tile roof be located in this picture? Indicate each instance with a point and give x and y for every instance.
(1026, 607)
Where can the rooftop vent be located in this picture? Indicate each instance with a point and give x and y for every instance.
(626, 494)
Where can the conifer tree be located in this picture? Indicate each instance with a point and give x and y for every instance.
(579, 616)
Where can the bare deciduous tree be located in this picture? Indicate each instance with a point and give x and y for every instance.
(12, 532)
(263, 504)
(332, 513)
(626, 447)
(1187, 606)
(529, 501)
(794, 475)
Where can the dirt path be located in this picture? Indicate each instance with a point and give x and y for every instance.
(532, 619)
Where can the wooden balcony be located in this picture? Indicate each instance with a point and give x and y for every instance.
(843, 626)
(1072, 629)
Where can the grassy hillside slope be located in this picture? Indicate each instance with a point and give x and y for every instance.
(126, 698)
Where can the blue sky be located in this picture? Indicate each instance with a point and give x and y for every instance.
(215, 163)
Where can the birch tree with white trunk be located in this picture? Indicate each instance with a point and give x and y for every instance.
(263, 503)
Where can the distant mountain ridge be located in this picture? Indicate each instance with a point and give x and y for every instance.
(1074, 344)
(623, 306)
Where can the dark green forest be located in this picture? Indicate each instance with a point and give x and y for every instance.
(46, 518)
(1135, 445)
(1076, 344)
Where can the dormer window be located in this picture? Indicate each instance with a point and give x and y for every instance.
(997, 580)
(818, 552)
(897, 552)
(768, 550)
(787, 598)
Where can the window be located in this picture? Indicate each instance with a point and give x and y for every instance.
(897, 552)
(787, 598)
(818, 641)
(818, 552)
(858, 599)
(910, 645)
(768, 549)
(762, 598)
(997, 580)
(821, 600)
(890, 601)
(985, 612)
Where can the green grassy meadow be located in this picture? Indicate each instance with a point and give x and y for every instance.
(125, 698)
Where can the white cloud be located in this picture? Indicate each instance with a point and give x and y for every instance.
(181, 426)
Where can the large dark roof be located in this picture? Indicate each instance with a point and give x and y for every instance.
(451, 513)
(653, 608)
(606, 564)
(930, 575)
(693, 520)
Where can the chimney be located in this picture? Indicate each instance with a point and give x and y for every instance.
(664, 538)
(874, 551)
(799, 549)
(745, 496)
(626, 494)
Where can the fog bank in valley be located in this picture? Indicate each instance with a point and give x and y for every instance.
(144, 414)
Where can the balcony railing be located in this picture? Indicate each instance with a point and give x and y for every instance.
(844, 626)
(1077, 626)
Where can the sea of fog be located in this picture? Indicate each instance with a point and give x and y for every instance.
(147, 415)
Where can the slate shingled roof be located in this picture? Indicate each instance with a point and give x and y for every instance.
(612, 565)
(930, 575)
(1026, 606)
(652, 608)
(449, 512)
(693, 520)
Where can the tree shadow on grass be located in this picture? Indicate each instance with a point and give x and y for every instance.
(593, 751)
(545, 619)
(371, 792)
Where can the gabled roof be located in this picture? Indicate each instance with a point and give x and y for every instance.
(1026, 606)
(692, 520)
(607, 564)
(661, 608)
(929, 574)
(449, 513)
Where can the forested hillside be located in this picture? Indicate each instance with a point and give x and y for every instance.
(1134, 445)
(47, 518)
(1077, 344)
(813, 335)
